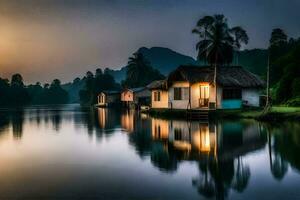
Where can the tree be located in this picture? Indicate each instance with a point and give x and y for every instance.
(278, 37)
(17, 80)
(203, 25)
(239, 37)
(96, 84)
(55, 94)
(18, 95)
(216, 43)
(278, 46)
(139, 72)
(4, 91)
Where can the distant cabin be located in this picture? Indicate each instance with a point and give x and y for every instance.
(192, 87)
(159, 94)
(135, 97)
(108, 98)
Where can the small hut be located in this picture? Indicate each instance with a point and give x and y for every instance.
(135, 97)
(108, 98)
(159, 94)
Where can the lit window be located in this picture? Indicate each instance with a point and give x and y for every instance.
(157, 96)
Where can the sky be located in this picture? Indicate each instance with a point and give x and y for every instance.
(47, 39)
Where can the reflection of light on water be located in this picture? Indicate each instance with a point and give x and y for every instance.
(205, 138)
(127, 121)
(102, 117)
(160, 129)
(182, 145)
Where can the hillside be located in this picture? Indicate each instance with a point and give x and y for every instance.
(254, 60)
(166, 60)
(163, 59)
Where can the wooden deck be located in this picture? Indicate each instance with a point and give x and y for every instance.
(199, 113)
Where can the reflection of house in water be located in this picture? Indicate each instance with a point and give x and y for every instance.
(160, 129)
(218, 147)
(186, 136)
(128, 120)
(236, 139)
(107, 119)
(219, 141)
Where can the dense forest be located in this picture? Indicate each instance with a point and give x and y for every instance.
(96, 83)
(15, 93)
(284, 68)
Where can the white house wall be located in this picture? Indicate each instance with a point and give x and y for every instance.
(250, 97)
(178, 104)
(164, 100)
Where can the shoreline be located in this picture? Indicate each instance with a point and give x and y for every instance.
(275, 115)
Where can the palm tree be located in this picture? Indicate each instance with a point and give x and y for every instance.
(140, 72)
(136, 65)
(216, 44)
(240, 36)
(203, 25)
(278, 36)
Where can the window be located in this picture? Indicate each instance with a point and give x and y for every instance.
(177, 93)
(177, 134)
(181, 93)
(232, 93)
(157, 96)
(157, 131)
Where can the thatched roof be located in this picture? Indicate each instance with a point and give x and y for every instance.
(160, 84)
(229, 76)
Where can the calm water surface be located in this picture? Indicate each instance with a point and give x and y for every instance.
(71, 153)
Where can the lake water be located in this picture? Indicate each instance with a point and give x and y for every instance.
(71, 153)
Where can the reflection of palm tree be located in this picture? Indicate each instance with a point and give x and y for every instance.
(241, 177)
(205, 184)
(278, 167)
(164, 159)
(277, 164)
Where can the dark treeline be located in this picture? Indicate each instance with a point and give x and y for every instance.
(284, 68)
(139, 74)
(94, 84)
(16, 93)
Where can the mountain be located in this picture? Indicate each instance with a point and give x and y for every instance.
(254, 60)
(163, 59)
